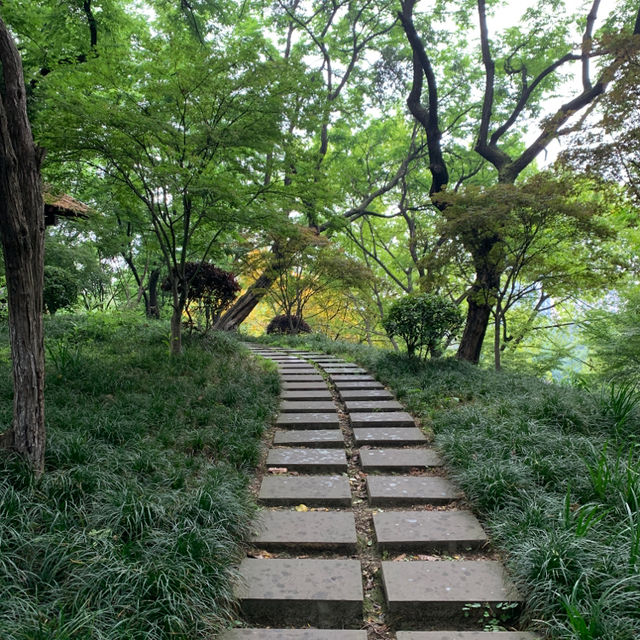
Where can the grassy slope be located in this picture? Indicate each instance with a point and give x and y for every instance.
(134, 527)
(554, 473)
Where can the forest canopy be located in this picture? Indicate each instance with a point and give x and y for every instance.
(407, 144)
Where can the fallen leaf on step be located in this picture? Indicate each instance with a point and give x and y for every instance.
(302, 507)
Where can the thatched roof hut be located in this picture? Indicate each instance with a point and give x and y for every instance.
(61, 206)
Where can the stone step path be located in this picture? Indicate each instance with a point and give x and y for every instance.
(331, 472)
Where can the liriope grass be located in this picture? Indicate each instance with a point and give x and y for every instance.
(553, 472)
(134, 528)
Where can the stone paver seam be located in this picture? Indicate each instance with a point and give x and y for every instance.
(374, 613)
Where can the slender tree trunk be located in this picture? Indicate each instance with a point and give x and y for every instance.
(153, 308)
(22, 236)
(176, 321)
(496, 338)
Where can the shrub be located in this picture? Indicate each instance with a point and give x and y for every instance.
(211, 289)
(60, 289)
(288, 324)
(423, 321)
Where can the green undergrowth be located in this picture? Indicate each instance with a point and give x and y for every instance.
(554, 473)
(133, 530)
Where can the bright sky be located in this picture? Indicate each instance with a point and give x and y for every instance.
(510, 14)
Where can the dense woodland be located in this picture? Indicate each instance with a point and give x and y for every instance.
(448, 187)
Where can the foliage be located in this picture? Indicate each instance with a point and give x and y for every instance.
(288, 324)
(60, 289)
(613, 337)
(549, 470)
(211, 289)
(134, 528)
(423, 321)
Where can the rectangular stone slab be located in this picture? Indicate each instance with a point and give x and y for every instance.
(351, 384)
(323, 593)
(356, 406)
(313, 491)
(307, 406)
(308, 420)
(466, 635)
(311, 385)
(366, 394)
(390, 459)
(348, 371)
(404, 531)
(393, 435)
(294, 634)
(309, 460)
(352, 377)
(295, 371)
(310, 438)
(313, 395)
(420, 592)
(333, 530)
(381, 419)
(301, 377)
(402, 490)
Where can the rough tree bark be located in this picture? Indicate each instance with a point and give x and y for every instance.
(22, 236)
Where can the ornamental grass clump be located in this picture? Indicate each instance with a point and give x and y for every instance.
(132, 532)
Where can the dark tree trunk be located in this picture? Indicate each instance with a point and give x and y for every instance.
(153, 308)
(480, 302)
(22, 236)
(247, 302)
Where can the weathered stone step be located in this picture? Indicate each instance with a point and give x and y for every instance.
(296, 365)
(421, 531)
(307, 406)
(366, 394)
(313, 491)
(393, 435)
(403, 490)
(348, 371)
(345, 377)
(420, 593)
(308, 420)
(381, 419)
(301, 377)
(331, 530)
(344, 385)
(356, 406)
(301, 385)
(309, 460)
(295, 371)
(466, 635)
(312, 395)
(398, 459)
(294, 634)
(323, 593)
(310, 438)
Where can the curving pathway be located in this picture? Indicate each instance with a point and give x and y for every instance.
(362, 536)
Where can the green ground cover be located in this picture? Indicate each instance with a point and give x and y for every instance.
(553, 471)
(133, 529)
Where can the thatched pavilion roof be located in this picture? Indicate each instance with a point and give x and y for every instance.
(63, 206)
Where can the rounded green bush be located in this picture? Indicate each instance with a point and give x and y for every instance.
(423, 321)
(60, 289)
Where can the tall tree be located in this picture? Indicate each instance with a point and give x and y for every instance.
(516, 79)
(22, 235)
(185, 127)
(332, 40)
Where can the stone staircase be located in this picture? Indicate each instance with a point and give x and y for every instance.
(359, 521)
